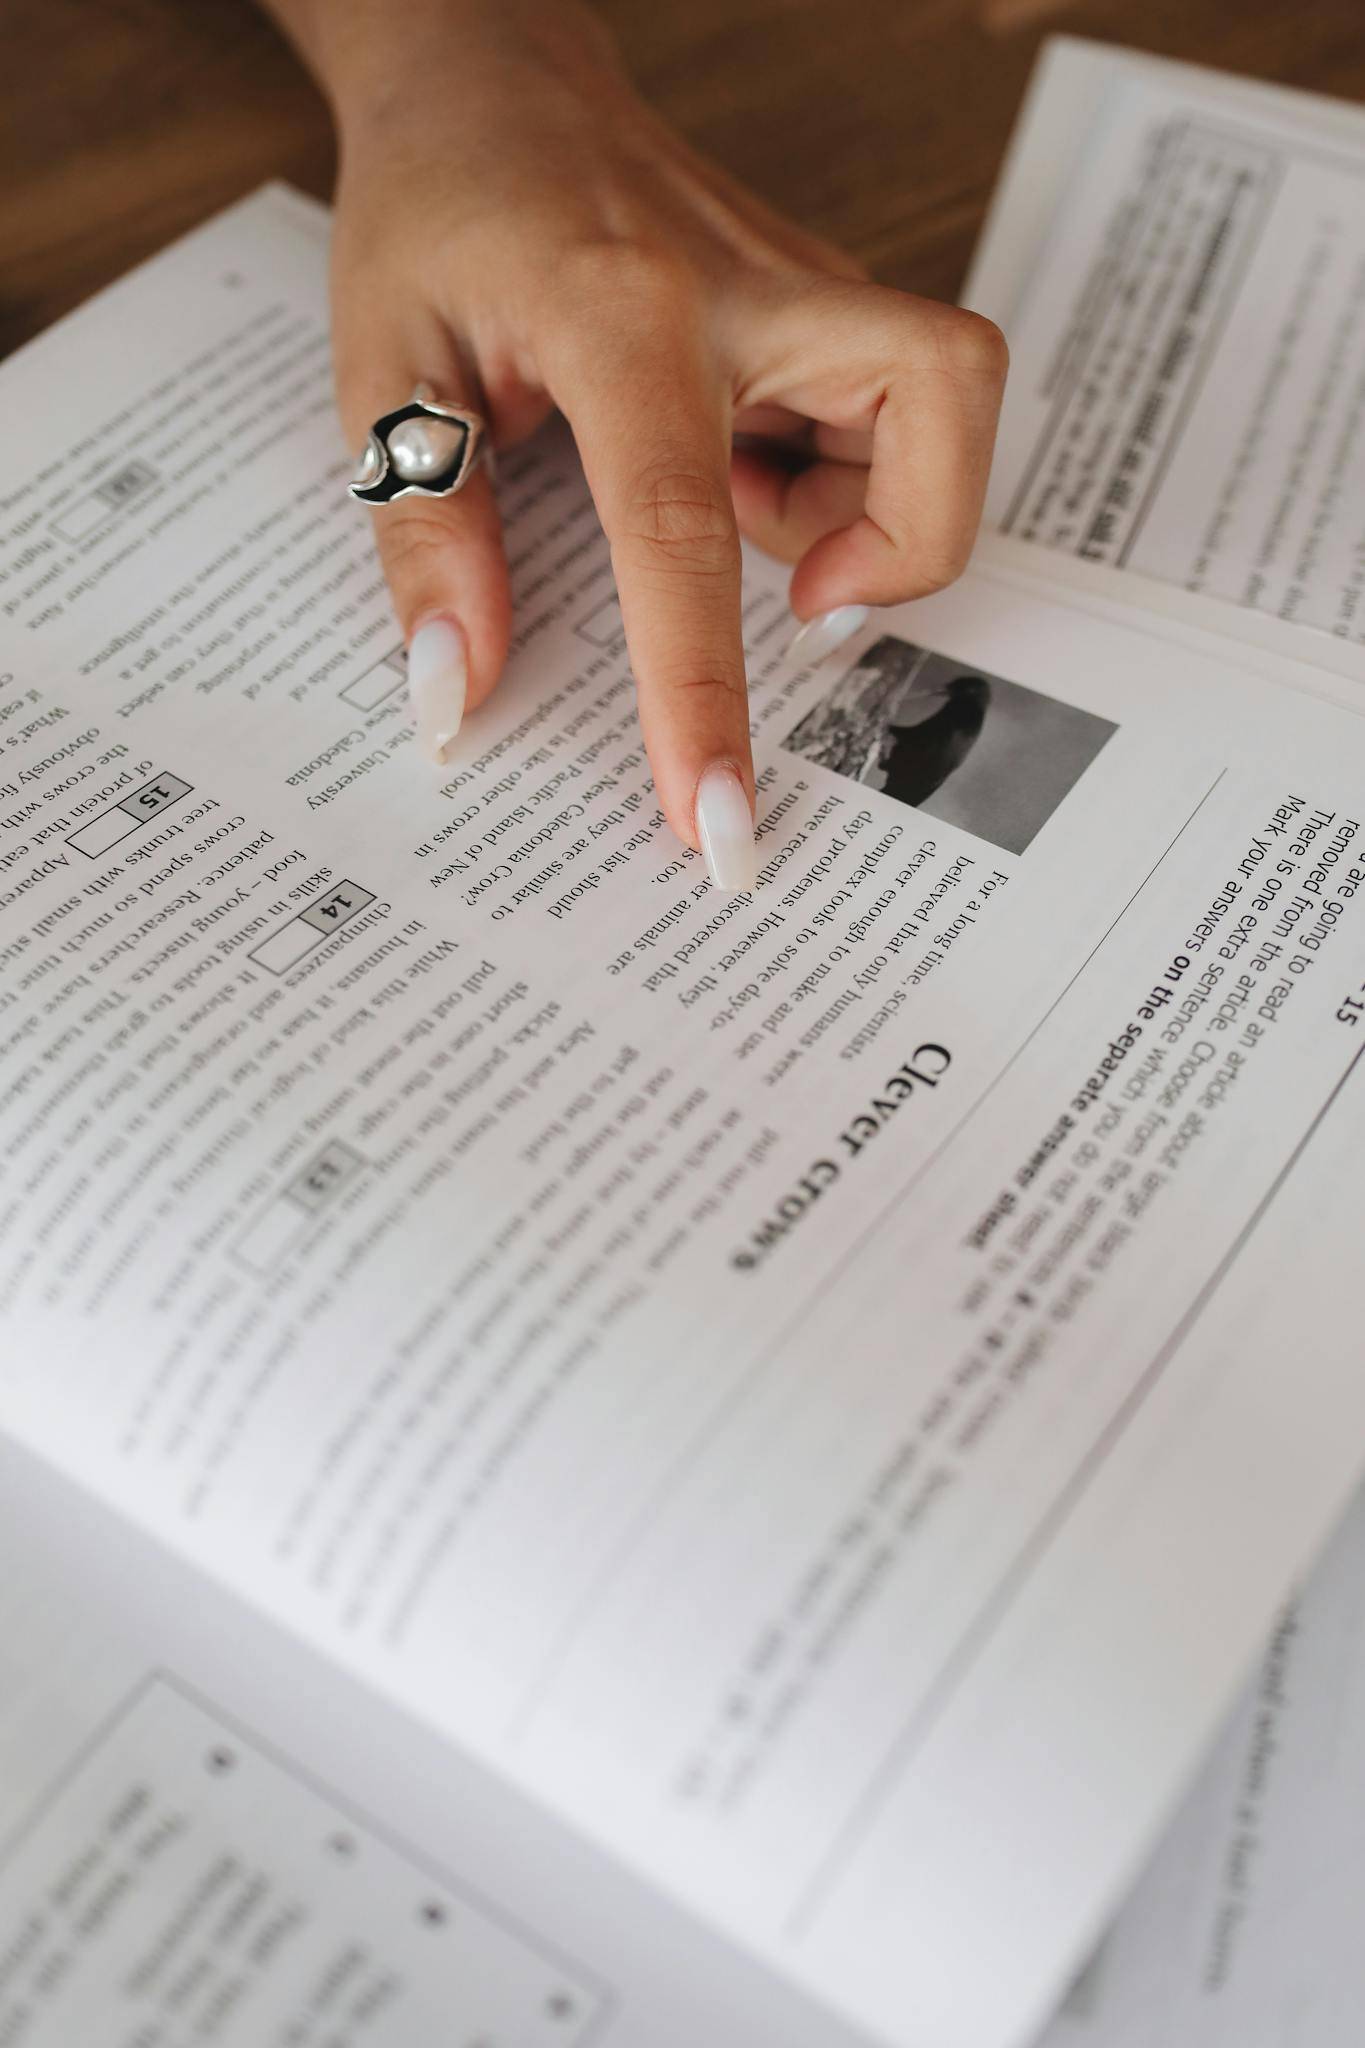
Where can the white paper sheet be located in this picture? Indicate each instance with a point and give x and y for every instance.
(329, 1825)
(1179, 264)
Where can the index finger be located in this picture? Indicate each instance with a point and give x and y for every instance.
(650, 417)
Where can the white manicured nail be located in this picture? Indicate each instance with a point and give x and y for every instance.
(438, 676)
(725, 827)
(820, 636)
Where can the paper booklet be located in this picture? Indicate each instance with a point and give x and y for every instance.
(588, 1462)
(1179, 258)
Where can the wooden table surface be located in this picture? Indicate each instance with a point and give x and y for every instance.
(879, 123)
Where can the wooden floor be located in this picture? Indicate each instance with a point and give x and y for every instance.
(880, 123)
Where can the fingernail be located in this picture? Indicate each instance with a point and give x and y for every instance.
(820, 636)
(725, 827)
(438, 676)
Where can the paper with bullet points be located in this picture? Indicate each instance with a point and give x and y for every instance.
(180, 1884)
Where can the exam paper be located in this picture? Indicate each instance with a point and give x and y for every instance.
(1178, 261)
(772, 1379)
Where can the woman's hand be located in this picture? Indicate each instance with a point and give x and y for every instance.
(515, 228)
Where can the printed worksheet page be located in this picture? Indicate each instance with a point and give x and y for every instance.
(1179, 263)
(207, 1833)
(823, 1391)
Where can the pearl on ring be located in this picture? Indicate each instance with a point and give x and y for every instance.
(369, 466)
(428, 445)
(419, 449)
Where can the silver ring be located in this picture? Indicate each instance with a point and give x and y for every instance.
(427, 448)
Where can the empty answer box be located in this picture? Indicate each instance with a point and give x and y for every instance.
(298, 936)
(128, 815)
(603, 625)
(123, 488)
(368, 690)
(277, 1228)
